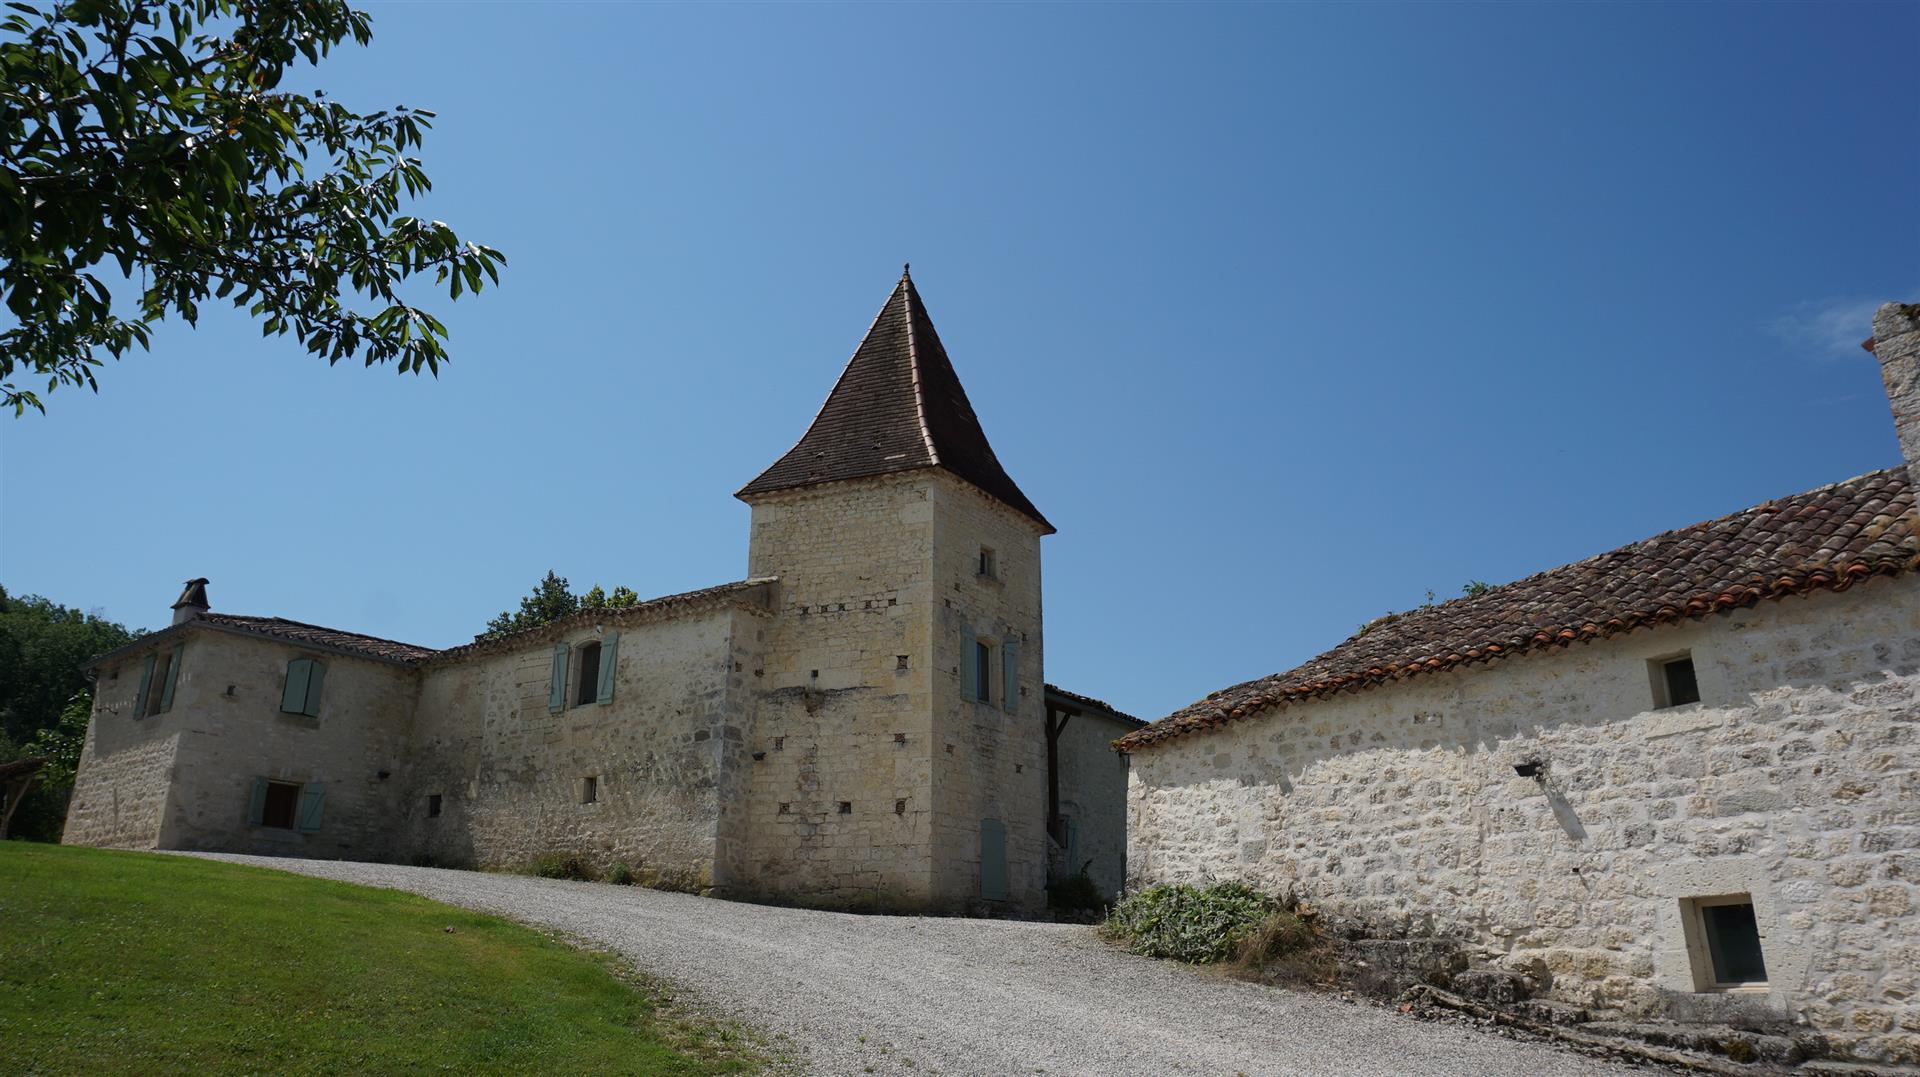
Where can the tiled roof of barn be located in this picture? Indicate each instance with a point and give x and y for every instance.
(1094, 704)
(332, 638)
(1823, 540)
(898, 406)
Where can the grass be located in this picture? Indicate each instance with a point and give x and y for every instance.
(136, 963)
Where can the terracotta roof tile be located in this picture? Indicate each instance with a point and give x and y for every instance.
(300, 632)
(898, 406)
(750, 593)
(1823, 540)
(1094, 704)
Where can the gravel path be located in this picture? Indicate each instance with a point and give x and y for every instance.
(910, 995)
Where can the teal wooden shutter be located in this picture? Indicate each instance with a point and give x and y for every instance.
(969, 663)
(146, 684)
(1010, 676)
(316, 673)
(293, 698)
(257, 803)
(312, 795)
(557, 687)
(993, 860)
(173, 675)
(1074, 866)
(609, 654)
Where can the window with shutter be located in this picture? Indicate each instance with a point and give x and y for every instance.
(588, 689)
(969, 664)
(312, 795)
(1010, 676)
(293, 697)
(609, 658)
(172, 676)
(557, 687)
(146, 687)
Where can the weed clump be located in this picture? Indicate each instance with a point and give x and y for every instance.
(621, 874)
(1076, 895)
(1201, 925)
(563, 866)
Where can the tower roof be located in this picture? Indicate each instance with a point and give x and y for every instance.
(897, 407)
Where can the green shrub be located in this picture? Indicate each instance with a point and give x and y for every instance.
(564, 866)
(1189, 923)
(1075, 894)
(622, 874)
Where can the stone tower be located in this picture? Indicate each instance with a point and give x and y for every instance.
(899, 746)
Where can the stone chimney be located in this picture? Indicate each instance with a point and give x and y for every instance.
(1896, 343)
(192, 602)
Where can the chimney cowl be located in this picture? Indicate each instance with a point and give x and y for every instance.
(192, 601)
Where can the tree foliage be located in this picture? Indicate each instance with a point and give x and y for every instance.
(44, 698)
(153, 139)
(551, 600)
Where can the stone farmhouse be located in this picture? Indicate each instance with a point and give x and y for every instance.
(1678, 779)
(861, 721)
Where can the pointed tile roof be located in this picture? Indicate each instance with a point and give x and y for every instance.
(897, 407)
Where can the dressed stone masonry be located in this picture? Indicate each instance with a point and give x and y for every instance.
(1615, 775)
(862, 722)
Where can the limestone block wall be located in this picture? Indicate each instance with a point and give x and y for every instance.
(1796, 780)
(842, 696)
(1093, 794)
(510, 774)
(989, 764)
(126, 766)
(225, 730)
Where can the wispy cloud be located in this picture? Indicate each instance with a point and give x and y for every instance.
(1828, 329)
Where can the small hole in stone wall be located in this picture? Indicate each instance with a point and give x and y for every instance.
(433, 806)
(899, 738)
(231, 687)
(899, 807)
(899, 661)
(816, 674)
(949, 749)
(846, 807)
(786, 809)
(779, 744)
(1019, 768)
(893, 602)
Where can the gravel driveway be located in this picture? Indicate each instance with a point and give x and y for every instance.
(900, 995)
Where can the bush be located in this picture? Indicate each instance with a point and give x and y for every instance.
(564, 866)
(1189, 923)
(1075, 894)
(622, 874)
(1284, 948)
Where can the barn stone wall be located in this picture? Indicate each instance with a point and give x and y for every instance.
(1795, 780)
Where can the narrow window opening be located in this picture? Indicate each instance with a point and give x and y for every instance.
(899, 661)
(433, 806)
(283, 799)
(589, 790)
(846, 807)
(989, 564)
(1674, 681)
(156, 695)
(779, 744)
(1728, 935)
(589, 689)
(982, 670)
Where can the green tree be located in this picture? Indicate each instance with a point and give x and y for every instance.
(42, 814)
(551, 600)
(151, 140)
(42, 646)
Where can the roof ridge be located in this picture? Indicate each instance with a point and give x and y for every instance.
(324, 628)
(911, 294)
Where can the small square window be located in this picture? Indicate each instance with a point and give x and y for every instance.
(989, 564)
(899, 738)
(1674, 682)
(433, 806)
(589, 790)
(1726, 942)
(786, 809)
(779, 744)
(278, 809)
(846, 807)
(899, 661)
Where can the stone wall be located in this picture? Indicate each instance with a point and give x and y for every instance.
(225, 730)
(1794, 780)
(1093, 794)
(510, 773)
(990, 762)
(843, 703)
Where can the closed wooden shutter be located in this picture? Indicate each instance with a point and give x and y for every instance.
(609, 655)
(557, 688)
(312, 795)
(969, 664)
(257, 802)
(1010, 676)
(993, 860)
(173, 676)
(146, 685)
(316, 675)
(293, 698)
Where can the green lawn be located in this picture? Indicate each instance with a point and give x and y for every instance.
(116, 962)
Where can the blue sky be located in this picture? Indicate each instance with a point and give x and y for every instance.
(1283, 314)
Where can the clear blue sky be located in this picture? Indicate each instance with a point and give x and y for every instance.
(1283, 314)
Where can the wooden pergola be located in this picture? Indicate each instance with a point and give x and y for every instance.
(16, 778)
